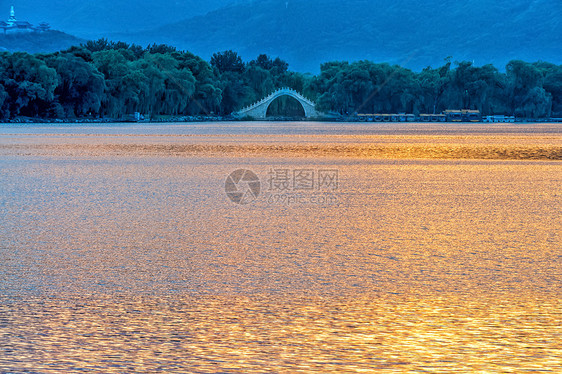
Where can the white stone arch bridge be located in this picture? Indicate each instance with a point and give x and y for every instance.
(259, 110)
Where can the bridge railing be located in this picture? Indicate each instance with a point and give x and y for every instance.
(277, 92)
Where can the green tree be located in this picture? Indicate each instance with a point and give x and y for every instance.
(433, 83)
(207, 96)
(553, 85)
(227, 61)
(527, 97)
(28, 83)
(114, 66)
(235, 92)
(81, 88)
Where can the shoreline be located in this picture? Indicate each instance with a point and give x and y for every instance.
(230, 118)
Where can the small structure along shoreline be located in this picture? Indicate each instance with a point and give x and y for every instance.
(202, 118)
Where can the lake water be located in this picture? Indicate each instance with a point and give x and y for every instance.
(370, 247)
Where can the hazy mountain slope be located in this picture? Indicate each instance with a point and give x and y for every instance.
(35, 42)
(94, 19)
(408, 32)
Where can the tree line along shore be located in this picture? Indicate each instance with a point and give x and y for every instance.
(105, 81)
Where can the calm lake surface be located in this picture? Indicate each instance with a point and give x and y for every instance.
(370, 247)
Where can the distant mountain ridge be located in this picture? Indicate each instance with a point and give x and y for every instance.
(38, 42)
(95, 19)
(405, 32)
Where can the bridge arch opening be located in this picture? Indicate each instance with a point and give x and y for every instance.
(285, 106)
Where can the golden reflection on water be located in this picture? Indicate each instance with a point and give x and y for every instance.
(127, 261)
(302, 334)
